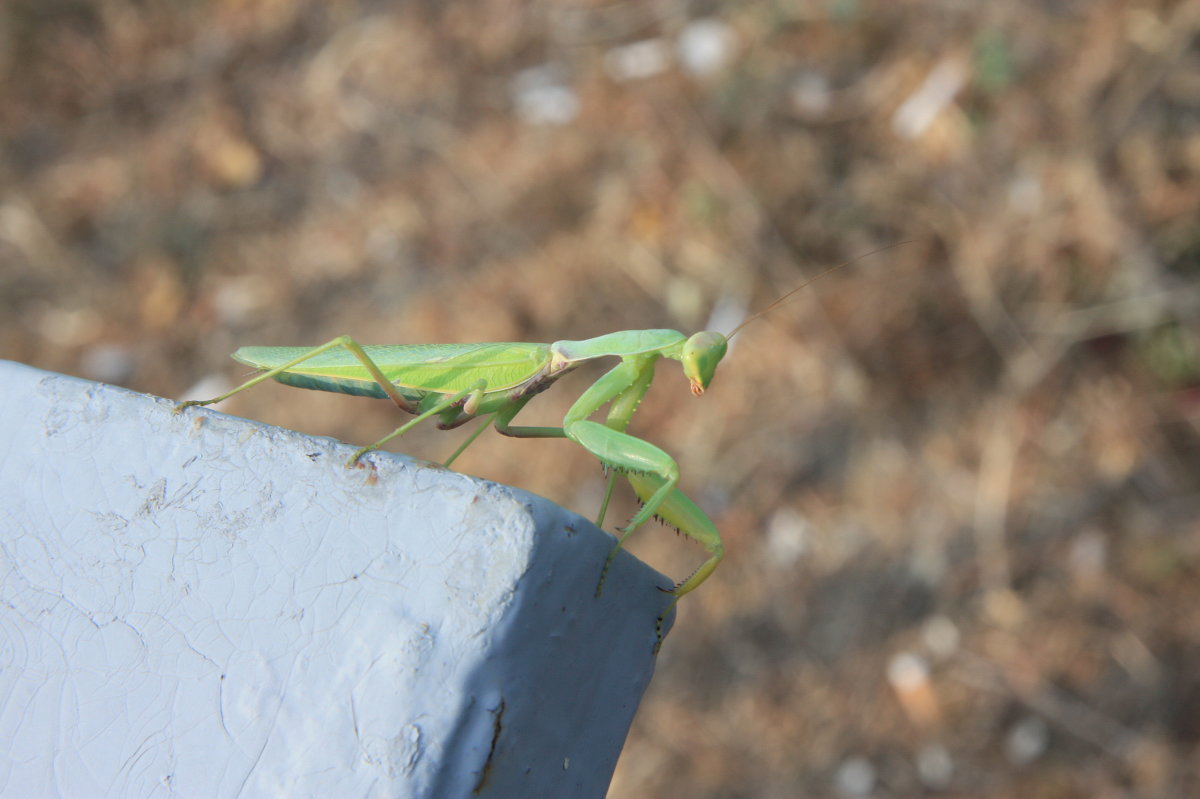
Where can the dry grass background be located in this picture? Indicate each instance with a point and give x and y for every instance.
(957, 478)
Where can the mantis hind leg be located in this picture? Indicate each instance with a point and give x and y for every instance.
(346, 343)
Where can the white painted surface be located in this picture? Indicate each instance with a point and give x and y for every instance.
(197, 605)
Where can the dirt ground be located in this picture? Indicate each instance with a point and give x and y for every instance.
(957, 479)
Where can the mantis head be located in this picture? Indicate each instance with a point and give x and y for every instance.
(701, 354)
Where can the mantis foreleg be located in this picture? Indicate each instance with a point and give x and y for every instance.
(524, 431)
(652, 472)
(624, 386)
(682, 514)
(619, 414)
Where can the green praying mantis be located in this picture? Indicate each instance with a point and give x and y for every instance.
(459, 382)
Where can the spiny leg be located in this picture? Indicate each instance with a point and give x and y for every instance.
(628, 454)
(502, 426)
(651, 471)
(634, 457)
(620, 412)
(681, 513)
(623, 386)
(345, 342)
(612, 555)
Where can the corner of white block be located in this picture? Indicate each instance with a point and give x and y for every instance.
(195, 604)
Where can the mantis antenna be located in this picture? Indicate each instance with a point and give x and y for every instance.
(808, 283)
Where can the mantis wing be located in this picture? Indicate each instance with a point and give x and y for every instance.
(424, 368)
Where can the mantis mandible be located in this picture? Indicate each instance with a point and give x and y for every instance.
(459, 382)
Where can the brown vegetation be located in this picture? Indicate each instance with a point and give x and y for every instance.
(957, 478)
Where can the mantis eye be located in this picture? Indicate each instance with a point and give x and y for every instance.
(701, 354)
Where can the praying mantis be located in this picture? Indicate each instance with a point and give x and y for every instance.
(459, 382)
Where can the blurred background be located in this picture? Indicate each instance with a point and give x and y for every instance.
(957, 478)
